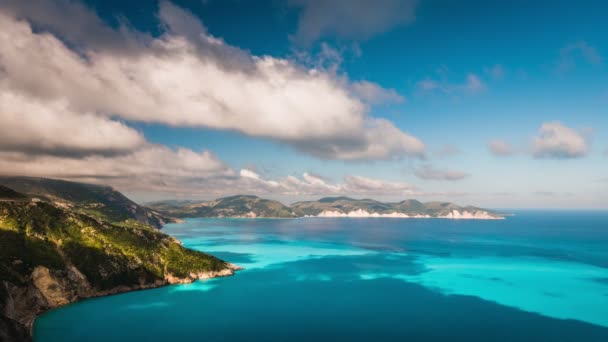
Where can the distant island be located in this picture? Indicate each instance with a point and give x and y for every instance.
(253, 206)
(63, 241)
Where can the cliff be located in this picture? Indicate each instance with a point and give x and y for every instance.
(51, 256)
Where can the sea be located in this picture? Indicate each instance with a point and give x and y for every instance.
(534, 276)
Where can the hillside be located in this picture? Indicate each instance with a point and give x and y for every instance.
(10, 194)
(342, 204)
(233, 206)
(253, 206)
(345, 206)
(98, 201)
(51, 256)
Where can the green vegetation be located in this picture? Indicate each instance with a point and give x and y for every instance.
(252, 206)
(38, 234)
(233, 206)
(69, 243)
(181, 261)
(410, 207)
(101, 202)
(7, 193)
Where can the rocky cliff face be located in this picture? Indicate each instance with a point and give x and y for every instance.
(52, 256)
(349, 207)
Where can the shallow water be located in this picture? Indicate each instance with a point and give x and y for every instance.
(534, 276)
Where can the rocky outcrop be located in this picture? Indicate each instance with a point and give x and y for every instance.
(471, 215)
(360, 213)
(11, 330)
(454, 214)
(49, 289)
(363, 208)
(228, 271)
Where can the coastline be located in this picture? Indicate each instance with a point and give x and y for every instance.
(230, 270)
(372, 216)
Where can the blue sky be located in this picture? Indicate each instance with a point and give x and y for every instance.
(455, 76)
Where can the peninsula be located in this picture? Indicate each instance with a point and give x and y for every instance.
(63, 241)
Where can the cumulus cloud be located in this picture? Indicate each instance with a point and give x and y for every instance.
(185, 173)
(310, 184)
(187, 77)
(350, 19)
(149, 168)
(428, 172)
(53, 128)
(556, 140)
(500, 148)
(83, 28)
(364, 185)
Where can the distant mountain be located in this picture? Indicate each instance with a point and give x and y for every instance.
(349, 207)
(233, 206)
(98, 201)
(341, 204)
(253, 206)
(52, 255)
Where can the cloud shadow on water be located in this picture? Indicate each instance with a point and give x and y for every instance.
(279, 304)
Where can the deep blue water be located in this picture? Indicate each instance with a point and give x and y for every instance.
(536, 276)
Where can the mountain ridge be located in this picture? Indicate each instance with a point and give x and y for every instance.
(338, 206)
(101, 201)
(231, 206)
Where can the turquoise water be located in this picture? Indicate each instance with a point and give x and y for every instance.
(536, 276)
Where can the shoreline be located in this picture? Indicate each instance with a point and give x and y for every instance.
(169, 280)
(345, 216)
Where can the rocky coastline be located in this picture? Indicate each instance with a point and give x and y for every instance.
(50, 290)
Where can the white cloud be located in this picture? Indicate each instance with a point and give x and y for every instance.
(83, 28)
(428, 84)
(186, 77)
(500, 148)
(311, 185)
(146, 168)
(245, 173)
(558, 141)
(379, 140)
(430, 173)
(370, 186)
(496, 72)
(374, 94)
(52, 127)
(577, 51)
(350, 19)
(472, 84)
(184, 173)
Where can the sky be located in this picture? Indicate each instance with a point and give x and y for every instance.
(495, 104)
